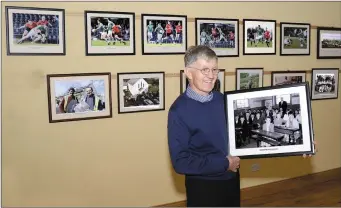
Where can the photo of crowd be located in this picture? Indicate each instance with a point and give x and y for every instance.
(268, 121)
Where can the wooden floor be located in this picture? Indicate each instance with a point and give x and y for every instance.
(316, 190)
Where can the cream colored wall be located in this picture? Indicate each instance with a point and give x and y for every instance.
(105, 163)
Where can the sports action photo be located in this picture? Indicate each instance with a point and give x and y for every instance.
(219, 34)
(35, 31)
(110, 33)
(164, 34)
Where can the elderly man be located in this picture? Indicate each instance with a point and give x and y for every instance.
(197, 136)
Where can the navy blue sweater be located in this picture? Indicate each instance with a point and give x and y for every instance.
(197, 138)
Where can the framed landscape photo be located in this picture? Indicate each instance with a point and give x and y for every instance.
(328, 43)
(79, 96)
(109, 33)
(164, 34)
(140, 91)
(222, 35)
(218, 86)
(274, 121)
(247, 78)
(324, 83)
(295, 39)
(287, 77)
(35, 31)
(259, 37)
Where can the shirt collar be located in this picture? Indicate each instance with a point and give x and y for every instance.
(195, 96)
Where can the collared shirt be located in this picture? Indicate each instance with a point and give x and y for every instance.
(195, 96)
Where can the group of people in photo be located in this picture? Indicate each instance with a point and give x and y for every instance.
(266, 119)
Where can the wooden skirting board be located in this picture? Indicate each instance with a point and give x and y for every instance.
(321, 189)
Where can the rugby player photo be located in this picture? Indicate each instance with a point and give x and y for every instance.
(164, 34)
(259, 37)
(110, 33)
(219, 34)
(35, 31)
(295, 38)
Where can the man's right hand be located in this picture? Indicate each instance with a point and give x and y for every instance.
(234, 163)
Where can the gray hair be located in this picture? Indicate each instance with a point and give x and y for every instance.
(199, 52)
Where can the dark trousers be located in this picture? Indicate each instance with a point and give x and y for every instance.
(213, 193)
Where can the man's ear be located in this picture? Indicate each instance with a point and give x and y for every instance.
(188, 73)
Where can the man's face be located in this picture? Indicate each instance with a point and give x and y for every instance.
(71, 92)
(89, 91)
(202, 83)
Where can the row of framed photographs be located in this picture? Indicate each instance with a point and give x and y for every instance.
(88, 95)
(41, 31)
(324, 81)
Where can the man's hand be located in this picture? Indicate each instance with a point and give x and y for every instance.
(304, 155)
(234, 163)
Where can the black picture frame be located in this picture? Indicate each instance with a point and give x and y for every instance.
(295, 39)
(227, 23)
(260, 71)
(292, 74)
(252, 23)
(284, 141)
(328, 53)
(136, 101)
(164, 49)
(325, 71)
(59, 86)
(94, 46)
(220, 84)
(17, 24)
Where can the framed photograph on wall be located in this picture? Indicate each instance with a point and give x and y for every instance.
(295, 39)
(260, 125)
(328, 43)
(218, 86)
(140, 91)
(324, 83)
(247, 78)
(35, 31)
(164, 34)
(287, 77)
(109, 33)
(259, 37)
(82, 96)
(222, 35)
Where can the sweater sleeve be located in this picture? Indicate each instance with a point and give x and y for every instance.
(186, 161)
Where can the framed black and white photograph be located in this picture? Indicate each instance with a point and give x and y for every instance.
(273, 121)
(80, 96)
(247, 78)
(140, 91)
(109, 33)
(287, 77)
(164, 34)
(222, 35)
(35, 31)
(295, 39)
(328, 43)
(259, 37)
(218, 86)
(324, 83)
